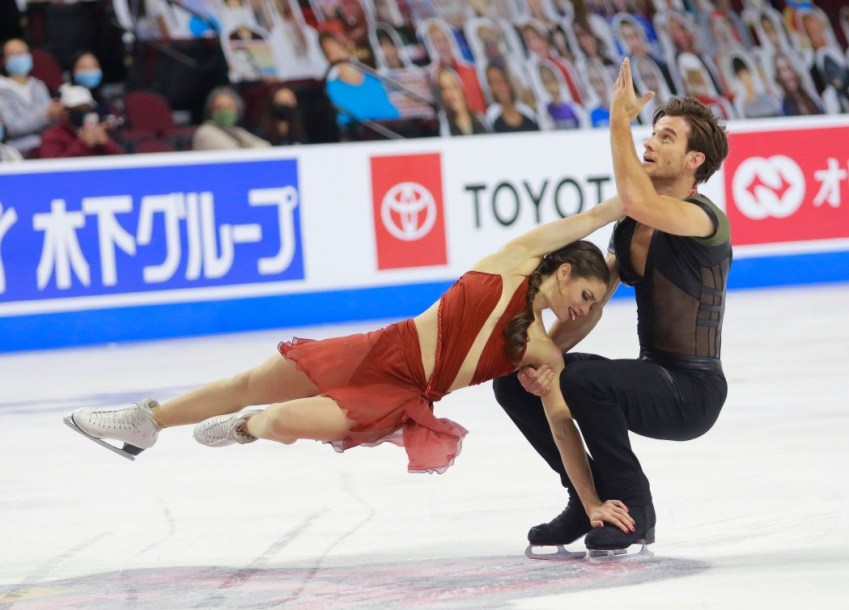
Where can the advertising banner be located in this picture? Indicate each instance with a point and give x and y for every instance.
(408, 211)
(788, 185)
(117, 231)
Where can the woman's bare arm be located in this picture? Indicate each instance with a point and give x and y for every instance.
(571, 447)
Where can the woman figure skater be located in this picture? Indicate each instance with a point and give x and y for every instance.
(380, 386)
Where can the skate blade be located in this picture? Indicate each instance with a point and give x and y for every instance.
(559, 554)
(128, 451)
(618, 555)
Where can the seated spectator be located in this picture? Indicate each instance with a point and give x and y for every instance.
(355, 94)
(27, 106)
(562, 113)
(769, 29)
(591, 45)
(281, 123)
(7, 153)
(86, 72)
(835, 75)
(79, 131)
(412, 93)
(444, 53)
(540, 49)
(506, 113)
(389, 51)
(813, 36)
(751, 101)
(494, 43)
(698, 84)
(456, 118)
(635, 43)
(680, 37)
(220, 131)
(797, 99)
(600, 88)
(717, 18)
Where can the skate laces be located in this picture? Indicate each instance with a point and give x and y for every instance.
(127, 418)
(228, 427)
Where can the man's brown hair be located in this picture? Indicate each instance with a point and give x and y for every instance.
(707, 134)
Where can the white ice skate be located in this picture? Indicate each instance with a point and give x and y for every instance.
(134, 426)
(223, 430)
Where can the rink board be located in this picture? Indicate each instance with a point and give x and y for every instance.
(151, 246)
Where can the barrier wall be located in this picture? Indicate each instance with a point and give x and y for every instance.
(151, 246)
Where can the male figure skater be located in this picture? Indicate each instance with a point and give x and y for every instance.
(673, 246)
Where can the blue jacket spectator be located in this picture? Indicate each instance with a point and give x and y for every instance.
(355, 94)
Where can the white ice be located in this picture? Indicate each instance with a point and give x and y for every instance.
(754, 514)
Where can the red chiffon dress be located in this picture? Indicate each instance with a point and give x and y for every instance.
(378, 378)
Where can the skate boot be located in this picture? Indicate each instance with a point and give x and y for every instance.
(224, 430)
(564, 529)
(134, 426)
(610, 541)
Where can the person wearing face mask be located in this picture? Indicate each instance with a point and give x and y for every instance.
(27, 106)
(220, 131)
(281, 123)
(7, 153)
(79, 132)
(86, 72)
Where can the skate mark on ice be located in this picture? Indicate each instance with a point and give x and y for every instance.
(169, 521)
(242, 575)
(43, 571)
(313, 572)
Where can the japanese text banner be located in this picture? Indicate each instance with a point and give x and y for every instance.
(156, 228)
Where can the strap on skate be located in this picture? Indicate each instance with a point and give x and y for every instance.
(128, 451)
(559, 554)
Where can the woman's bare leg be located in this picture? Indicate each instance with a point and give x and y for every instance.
(276, 380)
(318, 418)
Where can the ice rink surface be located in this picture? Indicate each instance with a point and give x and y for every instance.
(753, 515)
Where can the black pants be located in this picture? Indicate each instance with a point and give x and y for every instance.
(607, 399)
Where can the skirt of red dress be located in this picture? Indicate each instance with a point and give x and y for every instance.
(377, 378)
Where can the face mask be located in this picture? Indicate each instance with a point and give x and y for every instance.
(19, 65)
(225, 118)
(90, 79)
(77, 117)
(283, 112)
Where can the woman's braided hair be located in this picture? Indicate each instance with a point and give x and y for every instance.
(586, 260)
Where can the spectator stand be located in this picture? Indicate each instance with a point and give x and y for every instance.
(173, 49)
(46, 69)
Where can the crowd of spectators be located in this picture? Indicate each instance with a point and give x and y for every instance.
(453, 67)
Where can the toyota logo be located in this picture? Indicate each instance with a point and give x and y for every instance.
(408, 211)
(768, 187)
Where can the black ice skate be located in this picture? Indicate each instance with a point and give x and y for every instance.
(611, 542)
(564, 529)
